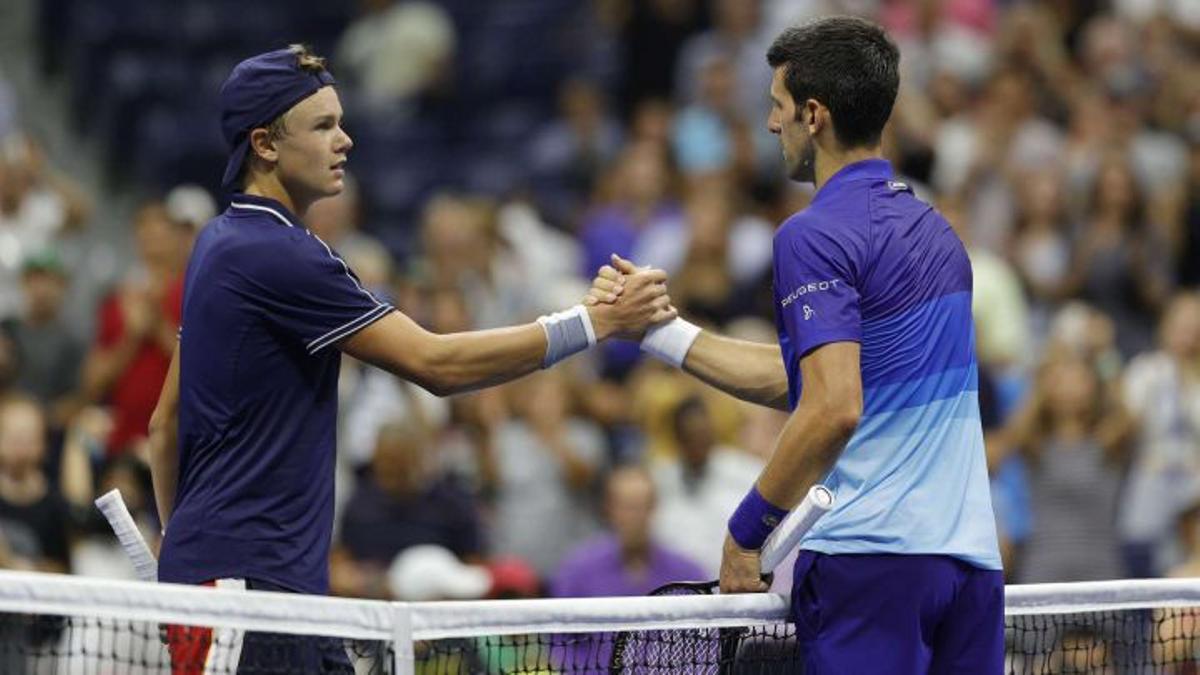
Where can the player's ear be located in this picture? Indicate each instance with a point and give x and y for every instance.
(262, 145)
(811, 116)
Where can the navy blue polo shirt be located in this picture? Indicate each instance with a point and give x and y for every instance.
(265, 304)
(868, 262)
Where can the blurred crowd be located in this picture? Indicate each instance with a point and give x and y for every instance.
(1060, 139)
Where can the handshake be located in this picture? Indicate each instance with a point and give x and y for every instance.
(625, 300)
(631, 302)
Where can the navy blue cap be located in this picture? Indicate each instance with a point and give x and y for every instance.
(258, 90)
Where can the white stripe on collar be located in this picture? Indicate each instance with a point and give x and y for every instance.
(282, 218)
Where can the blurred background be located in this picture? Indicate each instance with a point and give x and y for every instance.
(502, 150)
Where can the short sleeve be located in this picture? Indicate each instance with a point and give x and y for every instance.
(313, 295)
(816, 288)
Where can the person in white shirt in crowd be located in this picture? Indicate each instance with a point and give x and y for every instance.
(36, 205)
(1162, 390)
(700, 487)
(547, 460)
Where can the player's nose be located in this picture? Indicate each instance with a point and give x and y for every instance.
(344, 142)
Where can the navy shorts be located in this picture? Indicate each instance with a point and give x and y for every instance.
(199, 650)
(897, 614)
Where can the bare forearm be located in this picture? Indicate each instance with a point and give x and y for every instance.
(462, 362)
(807, 449)
(164, 468)
(164, 443)
(751, 371)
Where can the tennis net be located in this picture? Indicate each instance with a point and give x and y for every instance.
(65, 625)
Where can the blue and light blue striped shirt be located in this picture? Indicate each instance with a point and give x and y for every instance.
(868, 262)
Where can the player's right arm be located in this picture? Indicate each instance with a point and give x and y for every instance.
(455, 362)
(750, 371)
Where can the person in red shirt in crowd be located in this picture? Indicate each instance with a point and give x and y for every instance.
(136, 328)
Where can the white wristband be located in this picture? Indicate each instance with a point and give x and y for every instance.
(671, 341)
(567, 332)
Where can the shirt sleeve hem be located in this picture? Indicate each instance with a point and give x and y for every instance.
(349, 328)
(820, 339)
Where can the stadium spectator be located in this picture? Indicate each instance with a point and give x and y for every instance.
(976, 153)
(639, 200)
(1114, 261)
(1041, 245)
(710, 135)
(336, 220)
(34, 516)
(569, 153)
(652, 34)
(37, 204)
(137, 327)
(627, 560)
(191, 205)
(49, 354)
(737, 38)
(998, 304)
(547, 459)
(403, 501)
(397, 51)
(1162, 391)
(539, 261)
(1075, 440)
(96, 552)
(637, 204)
(717, 256)
(699, 488)
(461, 250)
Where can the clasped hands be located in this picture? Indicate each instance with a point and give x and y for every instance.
(625, 299)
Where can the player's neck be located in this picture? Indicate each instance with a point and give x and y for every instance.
(269, 186)
(829, 163)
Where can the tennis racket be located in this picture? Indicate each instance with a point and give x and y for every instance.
(655, 651)
(132, 542)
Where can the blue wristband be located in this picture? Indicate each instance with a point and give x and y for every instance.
(754, 520)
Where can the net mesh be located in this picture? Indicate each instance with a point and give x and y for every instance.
(37, 644)
(53, 624)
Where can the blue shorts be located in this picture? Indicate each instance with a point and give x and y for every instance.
(897, 614)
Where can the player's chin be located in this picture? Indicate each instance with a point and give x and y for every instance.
(335, 185)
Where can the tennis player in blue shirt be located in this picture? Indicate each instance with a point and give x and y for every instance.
(242, 442)
(876, 363)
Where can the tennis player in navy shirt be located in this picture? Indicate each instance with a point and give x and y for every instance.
(876, 364)
(242, 441)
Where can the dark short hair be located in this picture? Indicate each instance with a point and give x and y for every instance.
(848, 64)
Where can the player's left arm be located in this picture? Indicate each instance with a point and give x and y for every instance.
(813, 438)
(163, 442)
(817, 431)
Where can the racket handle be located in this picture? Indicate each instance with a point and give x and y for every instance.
(816, 503)
(113, 507)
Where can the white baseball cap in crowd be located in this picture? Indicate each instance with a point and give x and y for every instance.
(429, 572)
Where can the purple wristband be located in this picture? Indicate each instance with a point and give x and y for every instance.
(754, 520)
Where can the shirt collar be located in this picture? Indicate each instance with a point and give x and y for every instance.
(271, 208)
(873, 168)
